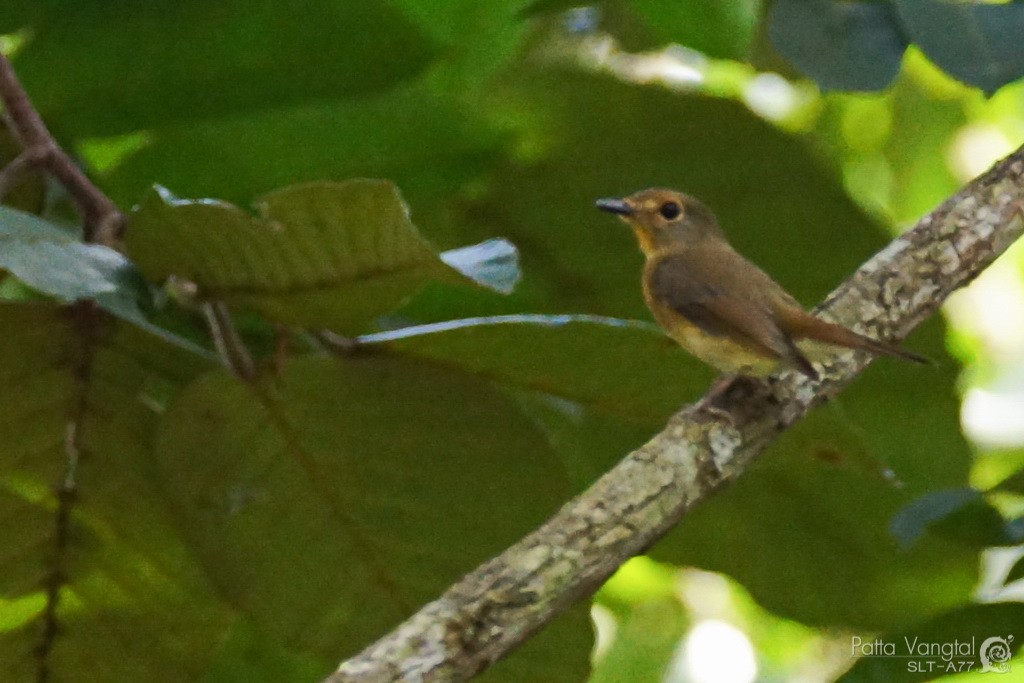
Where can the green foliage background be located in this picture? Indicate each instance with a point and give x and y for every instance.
(161, 520)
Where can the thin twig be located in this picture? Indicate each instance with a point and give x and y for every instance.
(230, 347)
(102, 221)
(493, 609)
(17, 167)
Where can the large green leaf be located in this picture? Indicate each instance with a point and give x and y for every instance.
(172, 62)
(423, 143)
(132, 603)
(395, 475)
(718, 29)
(841, 45)
(479, 37)
(318, 255)
(617, 367)
(978, 43)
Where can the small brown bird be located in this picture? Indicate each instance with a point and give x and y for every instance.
(718, 305)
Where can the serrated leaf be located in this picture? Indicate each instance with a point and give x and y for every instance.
(332, 255)
(385, 469)
(840, 45)
(978, 43)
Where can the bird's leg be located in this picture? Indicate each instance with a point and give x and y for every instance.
(711, 401)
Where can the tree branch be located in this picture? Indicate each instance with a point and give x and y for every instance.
(102, 221)
(490, 611)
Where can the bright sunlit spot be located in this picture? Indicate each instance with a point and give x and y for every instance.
(975, 148)
(994, 419)
(714, 652)
(771, 96)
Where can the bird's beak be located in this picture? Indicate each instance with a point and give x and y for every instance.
(618, 206)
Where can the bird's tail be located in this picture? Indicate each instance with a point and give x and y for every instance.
(809, 327)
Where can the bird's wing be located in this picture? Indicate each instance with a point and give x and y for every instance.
(726, 296)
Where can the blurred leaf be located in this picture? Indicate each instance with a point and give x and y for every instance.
(645, 641)
(977, 43)
(991, 631)
(357, 466)
(478, 38)
(921, 125)
(961, 514)
(841, 45)
(721, 29)
(423, 143)
(324, 254)
(248, 656)
(191, 60)
(133, 605)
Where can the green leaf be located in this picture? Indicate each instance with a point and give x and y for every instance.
(961, 514)
(323, 254)
(133, 604)
(189, 60)
(977, 43)
(840, 45)
(624, 368)
(425, 144)
(53, 261)
(645, 641)
(394, 473)
(718, 29)
(987, 635)
(478, 37)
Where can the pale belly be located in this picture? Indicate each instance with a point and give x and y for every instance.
(730, 357)
(722, 353)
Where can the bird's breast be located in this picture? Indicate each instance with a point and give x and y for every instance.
(721, 352)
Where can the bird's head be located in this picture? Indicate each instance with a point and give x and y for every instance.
(663, 219)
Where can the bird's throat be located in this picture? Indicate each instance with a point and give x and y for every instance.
(645, 240)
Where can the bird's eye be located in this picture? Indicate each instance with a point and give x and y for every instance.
(670, 211)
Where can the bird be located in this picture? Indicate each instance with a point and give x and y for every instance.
(718, 305)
